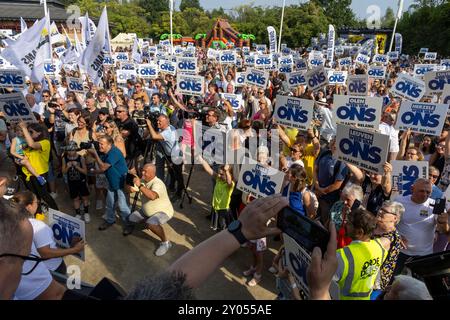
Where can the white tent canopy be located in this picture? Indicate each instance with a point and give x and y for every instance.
(123, 40)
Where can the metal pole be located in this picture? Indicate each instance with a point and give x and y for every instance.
(399, 14)
(171, 25)
(393, 35)
(281, 26)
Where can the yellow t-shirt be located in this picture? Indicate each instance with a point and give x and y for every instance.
(161, 204)
(292, 135)
(222, 195)
(39, 159)
(308, 160)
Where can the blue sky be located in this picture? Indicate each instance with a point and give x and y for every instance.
(358, 6)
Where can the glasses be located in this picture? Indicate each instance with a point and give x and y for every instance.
(261, 92)
(29, 267)
(440, 146)
(383, 211)
(137, 85)
(294, 150)
(434, 176)
(412, 153)
(45, 96)
(120, 111)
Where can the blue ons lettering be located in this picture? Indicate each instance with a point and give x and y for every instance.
(250, 60)
(122, 57)
(407, 178)
(337, 77)
(108, 60)
(147, 71)
(258, 179)
(227, 57)
(377, 72)
(359, 144)
(188, 84)
(167, 67)
(409, 87)
(301, 65)
(286, 61)
(358, 86)
(317, 78)
(345, 62)
(263, 61)
(380, 58)
(186, 65)
(421, 115)
(296, 79)
(293, 111)
(285, 69)
(11, 79)
(436, 81)
(421, 69)
(363, 59)
(49, 68)
(75, 85)
(258, 78)
(240, 79)
(317, 62)
(356, 109)
(15, 108)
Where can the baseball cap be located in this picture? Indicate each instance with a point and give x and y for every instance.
(104, 111)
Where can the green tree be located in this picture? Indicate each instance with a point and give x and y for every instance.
(339, 12)
(153, 8)
(190, 4)
(389, 18)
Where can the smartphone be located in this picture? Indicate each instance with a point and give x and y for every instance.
(303, 230)
(356, 204)
(439, 206)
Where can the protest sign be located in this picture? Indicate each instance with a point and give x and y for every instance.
(445, 98)
(75, 84)
(393, 56)
(363, 112)
(363, 148)
(420, 70)
(408, 87)
(263, 61)
(430, 56)
(259, 181)
(249, 61)
(15, 108)
(286, 60)
(261, 48)
(147, 71)
(127, 65)
(190, 85)
(377, 72)
(405, 173)
(446, 63)
(295, 79)
(12, 79)
(235, 100)
(421, 117)
(108, 60)
(381, 58)
(227, 57)
(284, 69)
(187, 65)
(255, 77)
(272, 39)
(240, 79)
(300, 64)
(362, 59)
(339, 51)
(124, 75)
(121, 56)
(65, 228)
(49, 68)
(345, 62)
(60, 51)
(167, 66)
(337, 77)
(435, 81)
(358, 85)
(316, 78)
(294, 112)
(423, 50)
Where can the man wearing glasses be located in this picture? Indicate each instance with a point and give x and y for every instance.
(139, 92)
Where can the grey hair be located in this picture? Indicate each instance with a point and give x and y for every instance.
(408, 288)
(399, 209)
(165, 286)
(354, 190)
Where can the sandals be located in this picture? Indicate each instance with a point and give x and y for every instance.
(256, 279)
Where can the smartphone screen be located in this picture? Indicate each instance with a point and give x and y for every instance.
(303, 230)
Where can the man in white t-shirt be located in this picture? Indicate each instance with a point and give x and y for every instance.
(156, 206)
(418, 224)
(387, 127)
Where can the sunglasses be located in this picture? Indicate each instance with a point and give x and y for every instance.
(294, 150)
(120, 111)
(434, 176)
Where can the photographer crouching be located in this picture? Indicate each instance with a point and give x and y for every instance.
(156, 207)
(166, 146)
(113, 164)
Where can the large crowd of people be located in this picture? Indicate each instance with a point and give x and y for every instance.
(119, 139)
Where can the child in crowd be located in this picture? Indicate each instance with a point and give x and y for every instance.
(18, 145)
(74, 166)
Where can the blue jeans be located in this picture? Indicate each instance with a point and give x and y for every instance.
(111, 198)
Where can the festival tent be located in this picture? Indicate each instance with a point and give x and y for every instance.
(123, 40)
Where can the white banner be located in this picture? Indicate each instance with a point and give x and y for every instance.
(191, 85)
(227, 57)
(12, 79)
(15, 108)
(345, 62)
(65, 228)
(294, 112)
(255, 77)
(121, 56)
(381, 58)
(331, 42)
(363, 148)
(60, 51)
(420, 117)
(263, 61)
(168, 67)
(49, 68)
(285, 69)
(301, 65)
(147, 71)
(235, 100)
(435, 81)
(295, 79)
(377, 72)
(124, 75)
(127, 66)
(420, 70)
(337, 77)
(316, 78)
(446, 63)
(75, 84)
(272, 39)
(362, 59)
(393, 55)
(259, 181)
(358, 85)
(445, 98)
(405, 173)
(187, 65)
(408, 87)
(430, 56)
(240, 79)
(363, 112)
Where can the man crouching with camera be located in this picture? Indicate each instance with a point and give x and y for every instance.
(156, 207)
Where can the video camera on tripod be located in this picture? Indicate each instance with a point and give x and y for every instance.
(141, 117)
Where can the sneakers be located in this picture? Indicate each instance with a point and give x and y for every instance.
(41, 180)
(105, 225)
(78, 216)
(87, 218)
(99, 205)
(127, 230)
(163, 248)
(249, 272)
(256, 279)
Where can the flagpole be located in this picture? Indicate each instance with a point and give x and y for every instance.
(45, 5)
(399, 14)
(281, 26)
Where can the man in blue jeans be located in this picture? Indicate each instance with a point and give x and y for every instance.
(113, 164)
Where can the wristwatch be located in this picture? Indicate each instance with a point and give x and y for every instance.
(235, 229)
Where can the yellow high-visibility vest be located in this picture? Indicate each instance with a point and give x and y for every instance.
(359, 263)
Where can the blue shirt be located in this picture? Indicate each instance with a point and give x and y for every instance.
(117, 172)
(436, 193)
(295, 200)
(328, 174)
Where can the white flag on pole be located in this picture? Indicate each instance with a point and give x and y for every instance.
(400, 9)
(93, 55)
(23, 25)
(331, 42)
(136, 52)
(87, 29)
(272, 39)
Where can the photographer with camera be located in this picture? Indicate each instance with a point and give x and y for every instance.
(113, 164)
(167, 148)
(130, 133)
(156, 105)
(156, 207)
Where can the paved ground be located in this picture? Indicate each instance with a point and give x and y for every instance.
(127, 259)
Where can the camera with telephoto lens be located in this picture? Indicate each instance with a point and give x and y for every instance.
(141, 116)
(89, 145)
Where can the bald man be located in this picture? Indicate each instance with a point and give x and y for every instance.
(156, 207)
(418, 224)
